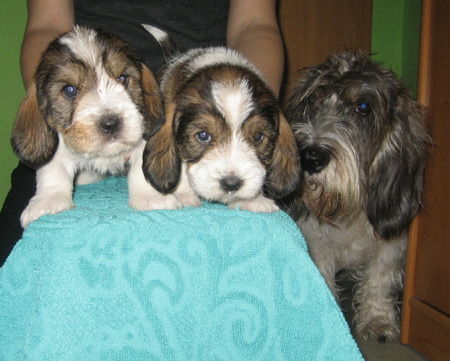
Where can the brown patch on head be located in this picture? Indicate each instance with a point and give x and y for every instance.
(261, 133)
(122, 63)
(58, 108)
(270, 134)
(199, 111)
(199, 128)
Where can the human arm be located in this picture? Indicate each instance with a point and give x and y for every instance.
(47, 19)
(253, 30)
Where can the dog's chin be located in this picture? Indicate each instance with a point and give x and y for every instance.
(216, 194)
(117, 148)
(327, 203)
(103, 149)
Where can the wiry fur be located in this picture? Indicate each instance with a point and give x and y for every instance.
(98, 129)
(250, 150)
(363, 148)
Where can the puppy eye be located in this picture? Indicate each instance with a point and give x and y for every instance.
(70, 91)
(258, 138)
(203, 137)
(363, 108)
(123, 79)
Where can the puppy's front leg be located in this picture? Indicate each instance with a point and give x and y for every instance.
(54, 185)
(184, 192)
(376, 294)
(257, 204)
(143, 196)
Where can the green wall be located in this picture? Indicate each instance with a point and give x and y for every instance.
(395, 35)
(12, 24)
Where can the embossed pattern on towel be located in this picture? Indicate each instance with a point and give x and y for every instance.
(105, 282)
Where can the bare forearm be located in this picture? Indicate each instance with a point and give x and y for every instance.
(253, 30)
(33, 45)
(263, 47)
(47, 19)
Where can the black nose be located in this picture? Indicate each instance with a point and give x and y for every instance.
(231, 183)
(110, 124)
(314, 158)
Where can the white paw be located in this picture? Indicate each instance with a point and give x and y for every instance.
(188, 199)
(155, 201)
(259, 204)
(42, 205)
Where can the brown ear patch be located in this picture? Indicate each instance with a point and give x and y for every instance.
(32, 140)
(284, 171)
(161, 163)
(154, 117)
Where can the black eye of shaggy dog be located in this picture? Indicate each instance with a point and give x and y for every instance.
(203, 137)
(70, 91)
(258, 138)
(363, 108)
(123, 79)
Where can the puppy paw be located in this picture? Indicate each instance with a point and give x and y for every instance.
(188, 199)
(40, 206)
(153, 202)
(259, 204)
(378, 329)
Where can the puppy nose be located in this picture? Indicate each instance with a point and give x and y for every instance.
(231, 183)
(314, 158)
(110, 124)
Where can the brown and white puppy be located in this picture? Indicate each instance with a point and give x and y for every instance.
(363, 147)
(89, 110)
(225, 139)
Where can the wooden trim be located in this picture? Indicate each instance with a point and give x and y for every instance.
(423, 97)
(409, 282)
(436, 316)
(431, 334)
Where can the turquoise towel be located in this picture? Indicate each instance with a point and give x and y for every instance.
(105, 282)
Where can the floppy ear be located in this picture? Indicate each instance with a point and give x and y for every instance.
(161, 163)
(154, 117)
(32, 140)
(396, 175)
(284, 171)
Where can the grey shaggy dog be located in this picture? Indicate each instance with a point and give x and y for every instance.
(363, 148)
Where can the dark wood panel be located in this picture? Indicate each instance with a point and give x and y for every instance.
(426, 303)
(433, 247)
(431, 332)
(314, 29)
